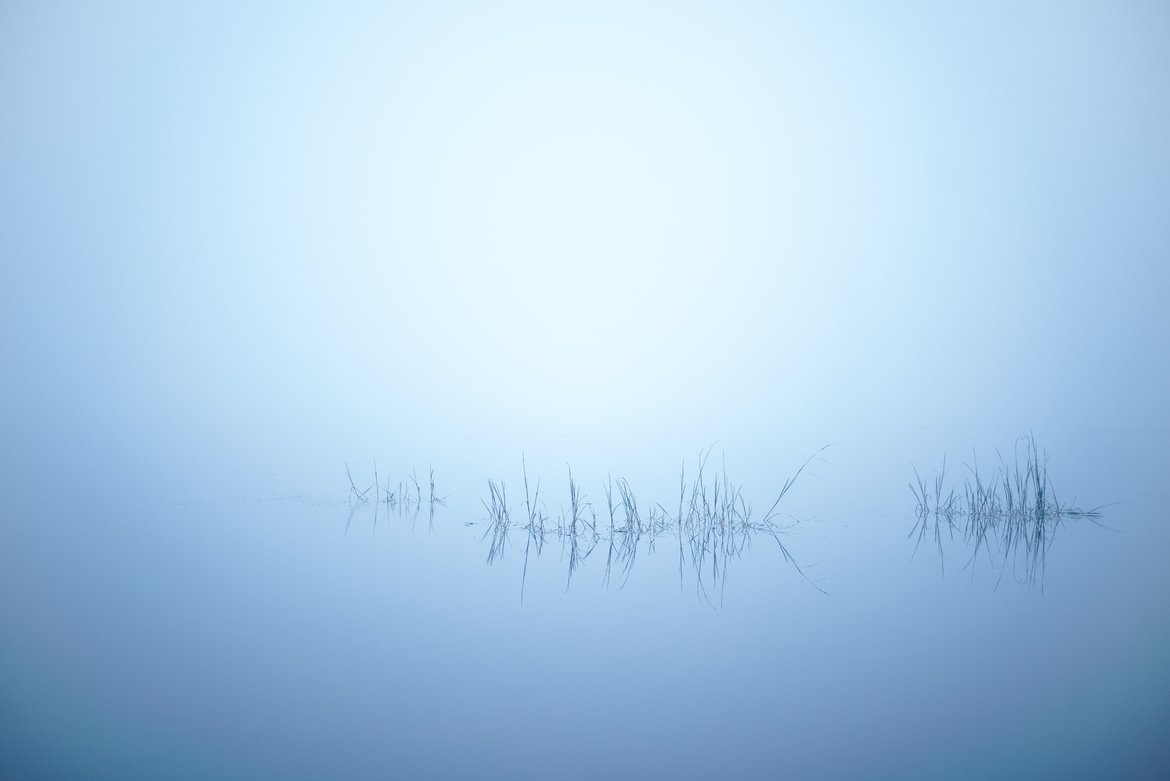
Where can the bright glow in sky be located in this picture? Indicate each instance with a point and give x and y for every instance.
(528, 217)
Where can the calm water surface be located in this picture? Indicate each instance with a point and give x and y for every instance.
(291, 634)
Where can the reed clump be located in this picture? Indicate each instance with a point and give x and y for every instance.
(1010, 515)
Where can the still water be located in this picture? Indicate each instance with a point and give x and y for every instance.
(323, 634)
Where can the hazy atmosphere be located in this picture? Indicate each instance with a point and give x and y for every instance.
(538, 390)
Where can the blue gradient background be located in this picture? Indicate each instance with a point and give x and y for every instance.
(243, 245)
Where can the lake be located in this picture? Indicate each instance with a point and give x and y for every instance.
(308, 635)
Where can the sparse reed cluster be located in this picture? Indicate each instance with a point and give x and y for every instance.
(712, 524)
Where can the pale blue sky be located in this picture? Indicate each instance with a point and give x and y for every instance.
(229, 226)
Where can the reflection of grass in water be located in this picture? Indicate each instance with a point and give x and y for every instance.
(499, 521)
(1010, 515)
(713, 524)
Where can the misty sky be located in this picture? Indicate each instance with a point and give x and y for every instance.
(227, 229)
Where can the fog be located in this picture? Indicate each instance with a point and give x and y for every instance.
(245, 247)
